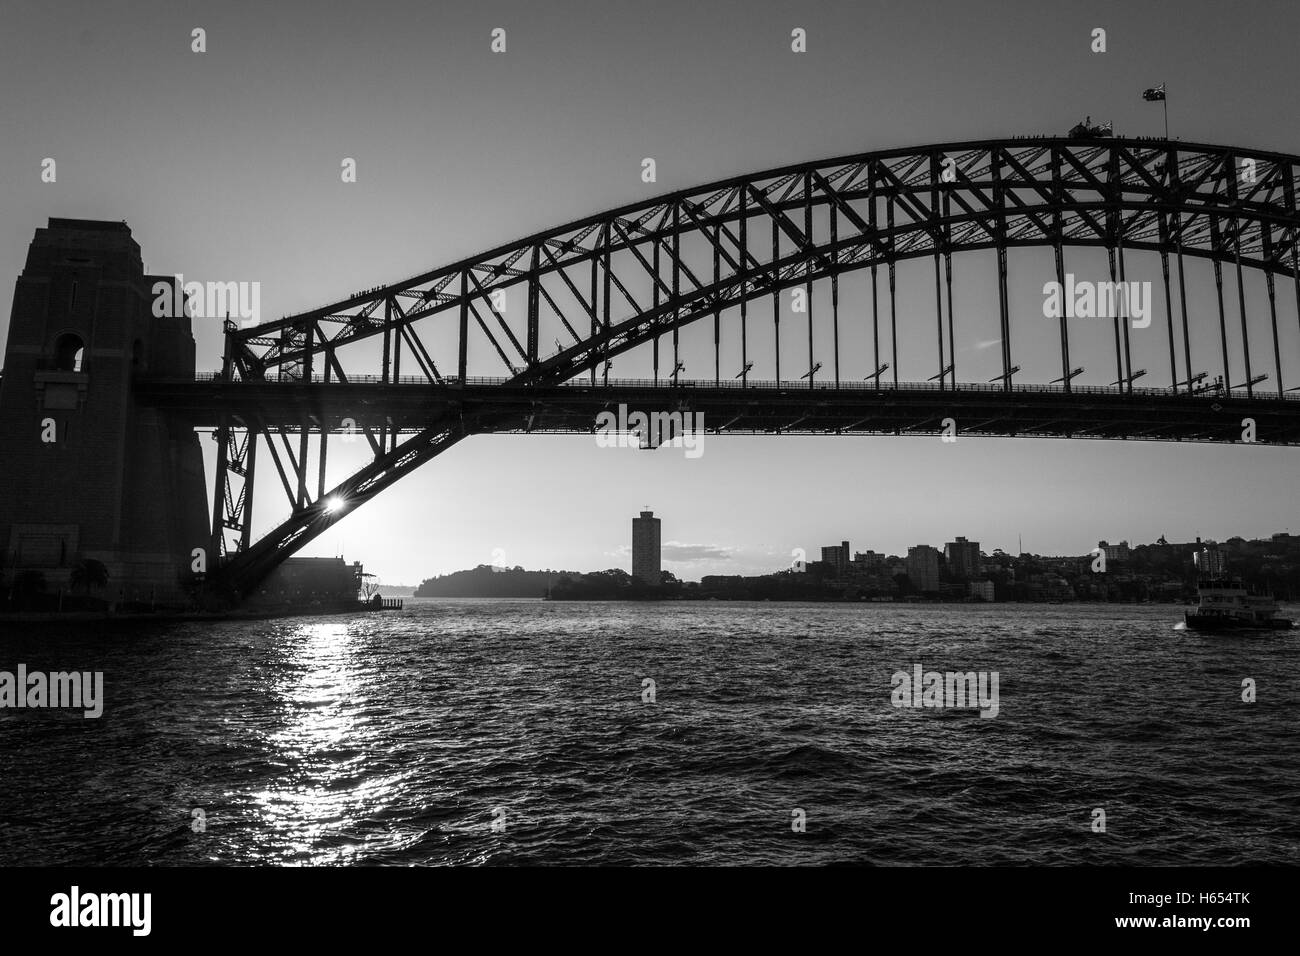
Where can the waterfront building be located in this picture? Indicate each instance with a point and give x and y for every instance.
(963, 557)
(836, 556)
(645, 549)
(923, 567)
(1210, 561)
(1114, 552)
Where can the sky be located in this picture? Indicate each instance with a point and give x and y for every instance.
(226, 166)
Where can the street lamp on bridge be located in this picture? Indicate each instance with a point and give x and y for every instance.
(1129, 380)
(940, 376)
(877, 373)
(1005, 377)
(1067, 378)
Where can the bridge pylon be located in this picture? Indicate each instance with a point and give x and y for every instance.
(85, 471)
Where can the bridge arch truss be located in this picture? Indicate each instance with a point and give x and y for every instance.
(640, 274)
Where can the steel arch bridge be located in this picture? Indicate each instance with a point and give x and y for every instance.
(637, 276)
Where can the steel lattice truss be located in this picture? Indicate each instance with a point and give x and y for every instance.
(638, 274)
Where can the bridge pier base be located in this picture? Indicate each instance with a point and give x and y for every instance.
(88, 474)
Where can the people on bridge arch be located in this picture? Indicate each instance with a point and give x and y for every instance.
(1086, 130)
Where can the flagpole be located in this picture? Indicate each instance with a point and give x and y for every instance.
(1165, 103)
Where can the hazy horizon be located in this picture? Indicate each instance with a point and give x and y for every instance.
(677, 548)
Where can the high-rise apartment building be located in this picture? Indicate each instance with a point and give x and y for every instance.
(923, 567)
(963, 558)
(645, 549)
(837, 556)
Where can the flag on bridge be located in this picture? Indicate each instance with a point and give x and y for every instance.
(1155, 94)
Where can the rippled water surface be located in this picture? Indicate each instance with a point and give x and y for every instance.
(400, 738)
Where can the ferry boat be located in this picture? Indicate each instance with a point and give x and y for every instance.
(1225, 605)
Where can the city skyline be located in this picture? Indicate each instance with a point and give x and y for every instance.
(961, 566)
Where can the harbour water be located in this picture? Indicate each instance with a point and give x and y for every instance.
(523, 732)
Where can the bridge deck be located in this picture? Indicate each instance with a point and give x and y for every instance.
(495, 405)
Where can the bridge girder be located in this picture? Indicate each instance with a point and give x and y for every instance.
(624, 279)
(1152, 195)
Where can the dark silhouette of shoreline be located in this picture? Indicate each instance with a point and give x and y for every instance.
(1163, 572)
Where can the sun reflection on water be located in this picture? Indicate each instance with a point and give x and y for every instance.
(326, 786)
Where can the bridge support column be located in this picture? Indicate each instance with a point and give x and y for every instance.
(1272, 315)
(654, 285)
(744, 298)
(808, 264)
(1120, 378)
(1235, 199)
(1295, 271)
(893, 289)
(938, 316)
(952, 344)
(776, 298)
(1223, 323)
(1064, 332)
(717, 312)
(1058, 251)
(1169, 309)
(875, 294)
(1182, 300)
(86, 471)
(835, 290)
(1241, 305)
(1004, 315)
(1128, 353)
(893, 319)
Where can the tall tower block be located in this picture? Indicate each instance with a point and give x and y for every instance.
(645, 549)
(86, 472)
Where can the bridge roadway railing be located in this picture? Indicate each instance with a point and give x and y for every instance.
(786, 385)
